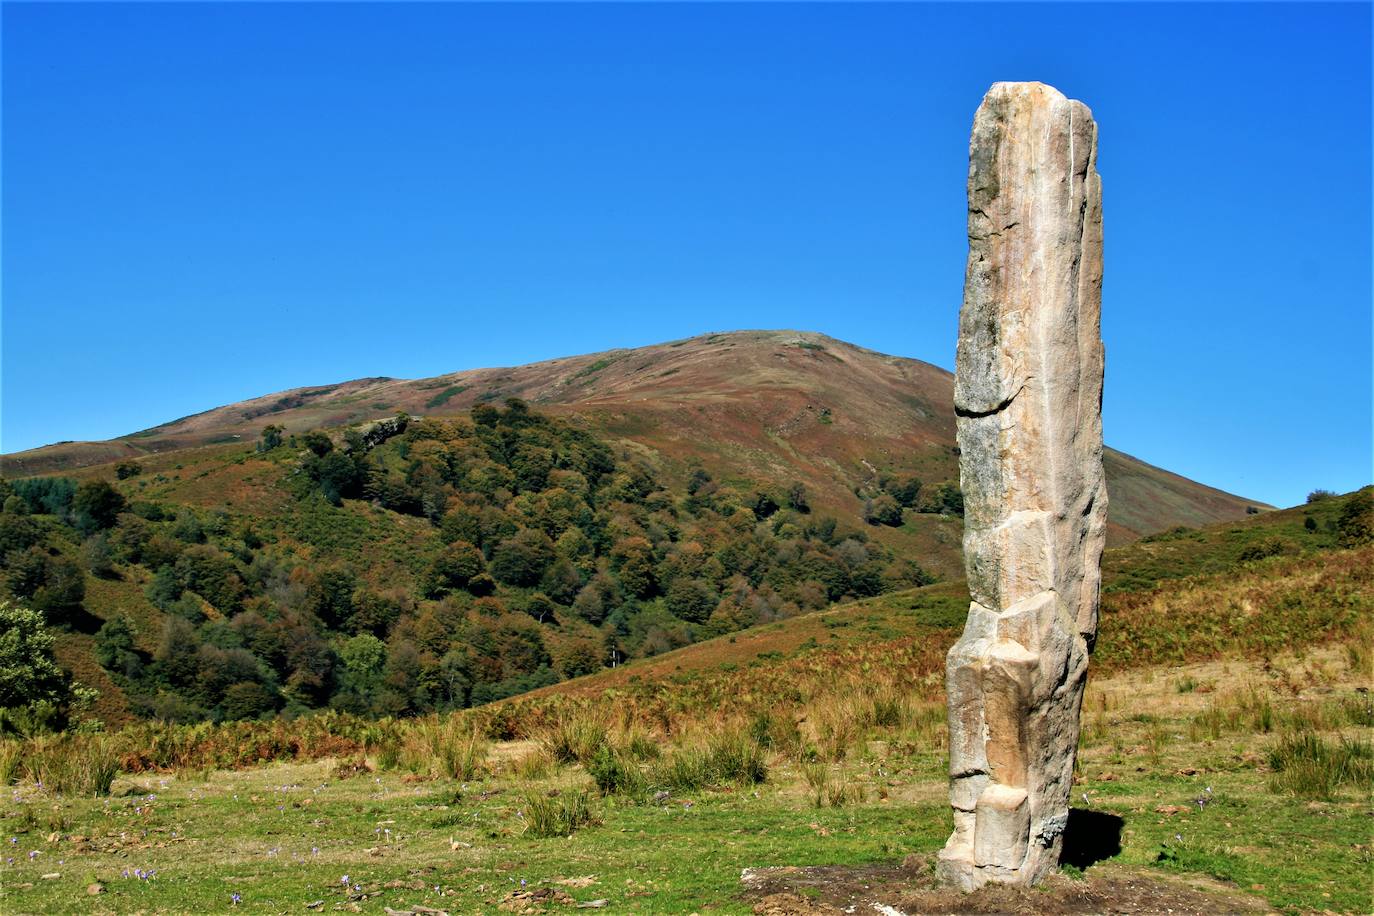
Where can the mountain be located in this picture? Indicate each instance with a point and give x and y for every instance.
(775, 406)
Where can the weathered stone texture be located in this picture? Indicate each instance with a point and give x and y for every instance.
(1028, 395)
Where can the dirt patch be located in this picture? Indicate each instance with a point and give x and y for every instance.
(909, 889)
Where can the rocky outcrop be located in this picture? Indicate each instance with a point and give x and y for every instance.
(1028, 399)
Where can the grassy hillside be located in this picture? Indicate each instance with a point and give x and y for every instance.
(413, 565)
(1225, 765)
(763, 406)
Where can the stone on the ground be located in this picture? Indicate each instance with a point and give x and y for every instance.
(1028, 398)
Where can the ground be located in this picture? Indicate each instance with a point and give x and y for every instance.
(1175, 788)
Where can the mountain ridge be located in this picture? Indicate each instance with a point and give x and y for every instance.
(778, 405)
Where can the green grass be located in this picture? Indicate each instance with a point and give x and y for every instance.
(593, 368)
(284, 835)
(442, 398)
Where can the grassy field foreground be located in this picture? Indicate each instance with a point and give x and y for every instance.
(1226, 763)
(1222, 769)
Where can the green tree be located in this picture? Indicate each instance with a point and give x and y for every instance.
(633, 561)
(691, 599)
(330, 595)
(361, 660)
(63, 589)
(796, 498)
(126, 469)
(1356, 523)
(271, 437)
(98, 557)
(318, 443)
(883, 510)
(29, 674)
(115, 648)
(522, 559)
(455, 566)
(561, 581)
(96, 506)
(906, 491)
(248, 700)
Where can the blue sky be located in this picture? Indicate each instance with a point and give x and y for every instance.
(203, 203)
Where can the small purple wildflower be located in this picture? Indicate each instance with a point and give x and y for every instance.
(236, 899)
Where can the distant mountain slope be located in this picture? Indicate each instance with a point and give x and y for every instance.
(1297, 584)
(776, 406)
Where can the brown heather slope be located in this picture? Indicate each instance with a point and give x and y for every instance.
(768, 406)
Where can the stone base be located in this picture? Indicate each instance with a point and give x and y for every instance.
(954, 867)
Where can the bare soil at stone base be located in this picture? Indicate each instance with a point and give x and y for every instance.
(910, 889)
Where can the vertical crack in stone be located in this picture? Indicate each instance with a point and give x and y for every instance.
(1028, 398)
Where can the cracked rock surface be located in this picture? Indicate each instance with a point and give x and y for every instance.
(1028, 398)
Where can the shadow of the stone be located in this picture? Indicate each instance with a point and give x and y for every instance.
(1090, 837)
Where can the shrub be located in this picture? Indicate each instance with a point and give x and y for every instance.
(1269, 547)
(29, 674)
(96, 505)
(615, 774)
(1356, 524)
(884, 510)
(535, 764)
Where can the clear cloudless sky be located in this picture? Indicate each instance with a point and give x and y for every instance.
(203, 203)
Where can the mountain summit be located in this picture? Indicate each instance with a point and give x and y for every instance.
(779, 406)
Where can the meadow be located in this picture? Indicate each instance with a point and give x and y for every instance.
(1228, 742)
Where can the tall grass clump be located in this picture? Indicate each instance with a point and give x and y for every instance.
(533, 765)
(829, 788)
(1308, 765)
(11, 755)
(452, 746)
(574, 736)
(557, 816)
(616, 773)
(728, 756)
(72, 764)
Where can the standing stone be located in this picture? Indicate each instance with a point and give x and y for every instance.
(1028, 397)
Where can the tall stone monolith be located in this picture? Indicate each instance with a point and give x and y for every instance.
(1028, 400)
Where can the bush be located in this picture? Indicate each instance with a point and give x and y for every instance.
(29, 673)
(96, 506)
(615, 774)
(1269, 547)
(883, 510)
(1356, 524)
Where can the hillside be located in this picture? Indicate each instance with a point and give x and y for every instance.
(797, 769)
(775, 406)
(1167, 599)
